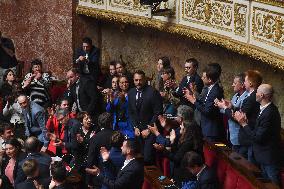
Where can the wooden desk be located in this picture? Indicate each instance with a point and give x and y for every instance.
(152, 173)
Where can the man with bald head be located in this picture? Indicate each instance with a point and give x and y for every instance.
(265, 136)
(35, 120)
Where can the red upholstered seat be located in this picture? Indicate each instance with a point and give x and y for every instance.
(210, 156)
(163, 163)
(243, 183)
(231, 178)
(221, 170)
(56, 92)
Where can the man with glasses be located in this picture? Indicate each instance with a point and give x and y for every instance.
(35, 120)
(192, 81)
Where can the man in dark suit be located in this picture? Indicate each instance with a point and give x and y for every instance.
(87, 59)
(101, 139)
(131, 174)
(191, 78)
(83, 92)
(251, 108)
(265, 136)
(211, 118)
(35, 120)
(144, 107)
(31, 169)
(32, 146)
(205, 176)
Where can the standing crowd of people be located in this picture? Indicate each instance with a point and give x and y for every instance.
(105, 128)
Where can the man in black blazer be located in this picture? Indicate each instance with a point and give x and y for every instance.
(131, 174)
(191, 78)
(211, 118)
(87, 60)
(101, 139)
(144, 107)
(83, 92)
(265, 136)
(251, 108)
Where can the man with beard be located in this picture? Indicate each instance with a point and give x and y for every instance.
(35, 120)
(82, 92)
(87, 60)
(144, 107)
(130, 176)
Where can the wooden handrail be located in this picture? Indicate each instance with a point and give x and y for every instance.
(152, 173)
(241, 165)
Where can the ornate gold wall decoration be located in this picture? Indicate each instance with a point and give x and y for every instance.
(127, 4)
(220, 22)
(215, 13)
(240, 21)
(97, 2)
(268, 27)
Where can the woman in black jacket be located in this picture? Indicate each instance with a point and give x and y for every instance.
(190, 140)
(13, 155)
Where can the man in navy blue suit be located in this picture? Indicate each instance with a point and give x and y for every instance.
(191, 78)
(131, 175)
(211, 119)
(265, 136)
(144, 107)
(87, 59)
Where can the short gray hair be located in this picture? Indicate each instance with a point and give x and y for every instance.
(62, 112)
(186, 112)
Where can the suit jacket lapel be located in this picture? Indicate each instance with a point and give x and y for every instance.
(125, 168)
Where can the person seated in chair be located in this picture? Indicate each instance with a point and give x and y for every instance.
(205, 176)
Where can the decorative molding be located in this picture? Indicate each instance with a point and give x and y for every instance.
(237, 40)
(240, 20)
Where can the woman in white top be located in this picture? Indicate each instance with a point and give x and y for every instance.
(13, 110)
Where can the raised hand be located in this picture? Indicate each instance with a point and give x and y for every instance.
(158, 147)
(80, 139)
(93, 171)
(162, 120)
(137, 132)
(104, 153)
(172, 136)
(241, 118)
(154, 129)
(145, 133)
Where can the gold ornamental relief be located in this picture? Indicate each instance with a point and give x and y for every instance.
(211, 13)
(127, 4)
(240, 20)
(268, 27)
(97, 2)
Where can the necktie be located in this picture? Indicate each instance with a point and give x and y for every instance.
(138, 99)
(203, 93)
(77, 96)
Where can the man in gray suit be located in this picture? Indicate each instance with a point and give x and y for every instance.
(35, 120)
